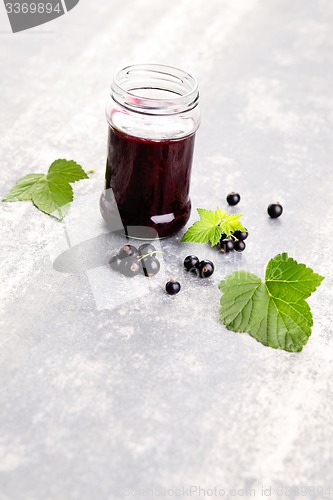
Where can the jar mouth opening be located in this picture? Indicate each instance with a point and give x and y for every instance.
(155, 89)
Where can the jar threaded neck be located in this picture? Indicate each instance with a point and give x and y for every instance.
(155, 89)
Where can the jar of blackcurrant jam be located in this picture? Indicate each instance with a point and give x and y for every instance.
(153, 116)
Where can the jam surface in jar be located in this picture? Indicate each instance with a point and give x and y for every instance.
(149, 180)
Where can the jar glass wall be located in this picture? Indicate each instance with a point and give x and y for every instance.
(153, 115)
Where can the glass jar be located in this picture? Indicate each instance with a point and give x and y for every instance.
(153, 115)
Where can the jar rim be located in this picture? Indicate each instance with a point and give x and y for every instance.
(155, 89)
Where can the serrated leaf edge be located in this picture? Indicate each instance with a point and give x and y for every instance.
(222, 285)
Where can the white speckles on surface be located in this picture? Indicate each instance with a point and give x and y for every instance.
(103, 391)
(12, 455)
(265, 109)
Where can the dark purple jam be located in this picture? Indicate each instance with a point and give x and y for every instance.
(150, 182)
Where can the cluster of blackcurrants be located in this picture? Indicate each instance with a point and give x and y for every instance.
(274, 210)
(131, 261)
(204, 268)
(233, 242)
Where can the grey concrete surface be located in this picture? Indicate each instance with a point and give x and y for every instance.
(105, 399)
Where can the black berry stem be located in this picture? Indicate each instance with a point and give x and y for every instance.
(149, 254)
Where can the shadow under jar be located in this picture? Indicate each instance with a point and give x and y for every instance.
(153, 116)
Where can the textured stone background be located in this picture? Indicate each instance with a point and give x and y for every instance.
(99, 399)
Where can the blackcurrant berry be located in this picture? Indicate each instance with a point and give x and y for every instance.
(206, 268)
(223, 237)
(146, 249)
(241, 235)
(275, 210)
(191, 262)
(172, 287)
(127, 251)
(239, 246)
(114, 262)
(226, 246)
(233, 199)
(130, 267)
(151, 266)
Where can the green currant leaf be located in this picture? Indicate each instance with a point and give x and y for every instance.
(273, 311)
(68, 170)
(24, 188)
(201, 232)
(50, 193)
(231, 223)
(220, 215)
(53, 198)
(211, 226)
(294, 281)
(215, 235)
(208, 216)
